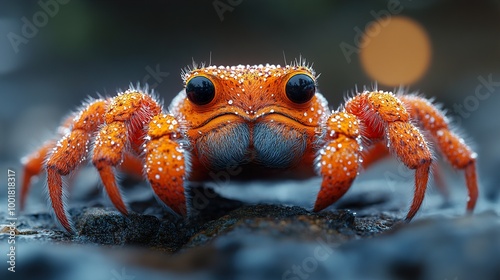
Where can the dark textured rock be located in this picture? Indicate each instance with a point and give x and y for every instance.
(275, 221)
(110, 227)
(233, 240)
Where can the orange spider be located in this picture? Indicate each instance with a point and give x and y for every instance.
(269, 119)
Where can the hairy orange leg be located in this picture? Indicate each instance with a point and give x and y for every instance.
(410, 147)
(33, 165)
(387, 118)
(123, 129)
(69, 153)
(108, 152)
(450, 145)
(166, 163)
(379, 151)
(338, 162)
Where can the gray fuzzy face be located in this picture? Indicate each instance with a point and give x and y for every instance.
(272, 145)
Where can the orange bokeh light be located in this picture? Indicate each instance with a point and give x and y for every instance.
(396, 51)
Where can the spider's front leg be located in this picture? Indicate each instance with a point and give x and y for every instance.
(122, 132)
(338, 162)
(385, 118)
(165, 162)
(451, 146)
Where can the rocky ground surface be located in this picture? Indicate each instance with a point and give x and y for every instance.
(362, 238)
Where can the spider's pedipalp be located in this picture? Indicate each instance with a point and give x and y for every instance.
(166, 163)
(338, 162)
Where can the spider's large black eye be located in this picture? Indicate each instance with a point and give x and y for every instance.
(300, 88)
(200, 90)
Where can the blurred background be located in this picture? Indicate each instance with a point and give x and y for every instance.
(54, 54)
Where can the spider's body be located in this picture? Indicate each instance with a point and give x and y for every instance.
(268, 119)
